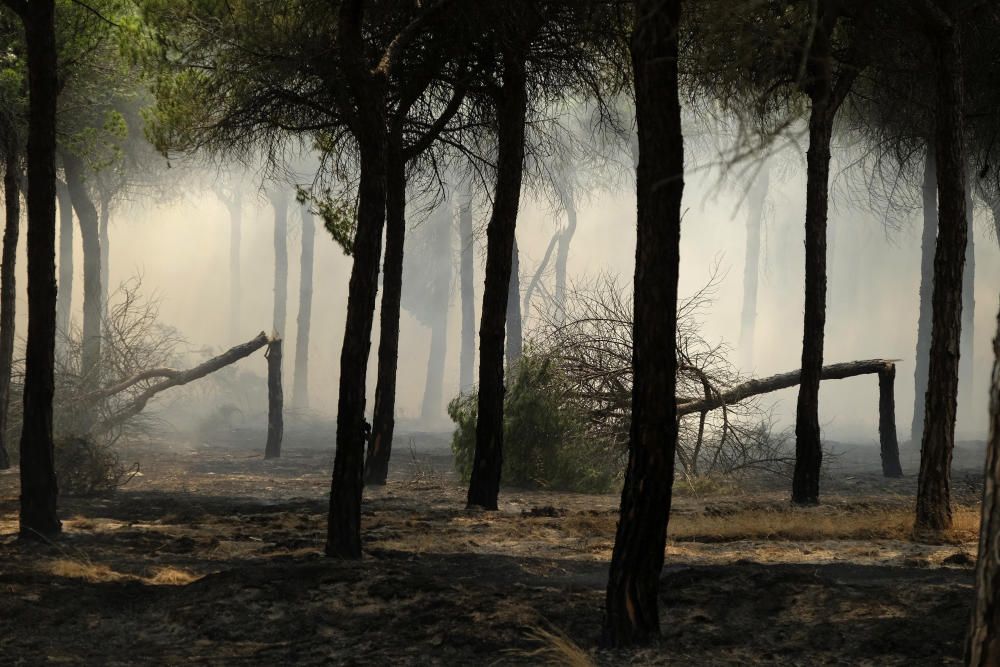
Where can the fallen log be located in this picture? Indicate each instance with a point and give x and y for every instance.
(173, 378)
(884, 368)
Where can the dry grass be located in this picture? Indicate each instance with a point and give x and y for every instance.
(816, 524)
(555, 648)
(171, 576)
(94, 573)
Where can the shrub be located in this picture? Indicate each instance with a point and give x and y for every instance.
(87, 468)
(546, 441)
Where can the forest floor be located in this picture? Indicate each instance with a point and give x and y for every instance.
(213, 556)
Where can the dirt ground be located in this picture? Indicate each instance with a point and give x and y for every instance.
(213, 556)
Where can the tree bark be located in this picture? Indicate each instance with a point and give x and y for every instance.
(8, 290)
(39, 490)
(384, 417)
(279, 201)
(300, 383)
(631, 606)
(467, 361)
(86, 213)
(983, 646)
(934, 484)
(64, 301)
(888, 443)
(103, 222)
(927, 242)
(235, 290)
(515, 331)
(275, 401)
(511, 109)
(967, 366)
(751, 265)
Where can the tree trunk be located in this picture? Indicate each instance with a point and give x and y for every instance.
(934, 484)
(515, 335)
(64, 301)
(235, 290)
(467, 361)
(430, 409)
(103, 222)
(86, 213)
(808, 448)
(384, 417)
(927, 243)
(8, 290)
(275, 400)
(279, 201)
(562, 253)
(983, 648)
(529, 291)
(889, 445)
(631, 606)
(343, 537)
(38, 479)
(300, 383)
(511, 108)
(751, 265)
(967, 366)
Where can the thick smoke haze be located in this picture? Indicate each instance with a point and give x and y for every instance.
(181, 250)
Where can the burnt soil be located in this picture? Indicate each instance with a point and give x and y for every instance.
(213, 556)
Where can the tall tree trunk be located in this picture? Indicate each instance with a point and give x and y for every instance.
(983, 648)
(39, 490)
(808, 448)
(343, 538)
(279, 201)
(562, 254)
(235, 289)
(511, 107)
(934, 484)
(927, 243)
(64, 301)
(467, 285)
(8, 290)
(430, 409)
(275, 401)
(631, 606)
(86, 213)
(751, 265)
(384, 417)
(515, 331)
(967, 366)
(103, 222)
(300, 383)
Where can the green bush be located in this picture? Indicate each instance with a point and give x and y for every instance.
(546, 443)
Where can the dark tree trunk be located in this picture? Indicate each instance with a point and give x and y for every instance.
(808, 448)
(889, 445)
(384, 417)
(343, 537)
(300, 383)
(511, 107)
(934, 484)
(86, 213)
(927, 243)
(537, 277)
(751, 265)
(515, 335)
(967, 366)
(631, 606)
(235, 290)
(279, 201)
(64, 302)
(38, 479)
(275, 401)
(983, 648)
(8, 290)
(103, 222)
(467, 361)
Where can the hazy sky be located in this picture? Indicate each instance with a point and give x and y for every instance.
(182, 252)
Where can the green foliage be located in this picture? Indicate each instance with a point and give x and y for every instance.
(546, 440)
(339, 218)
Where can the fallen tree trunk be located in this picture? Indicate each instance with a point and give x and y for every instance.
(884, 368)
(173, 378)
